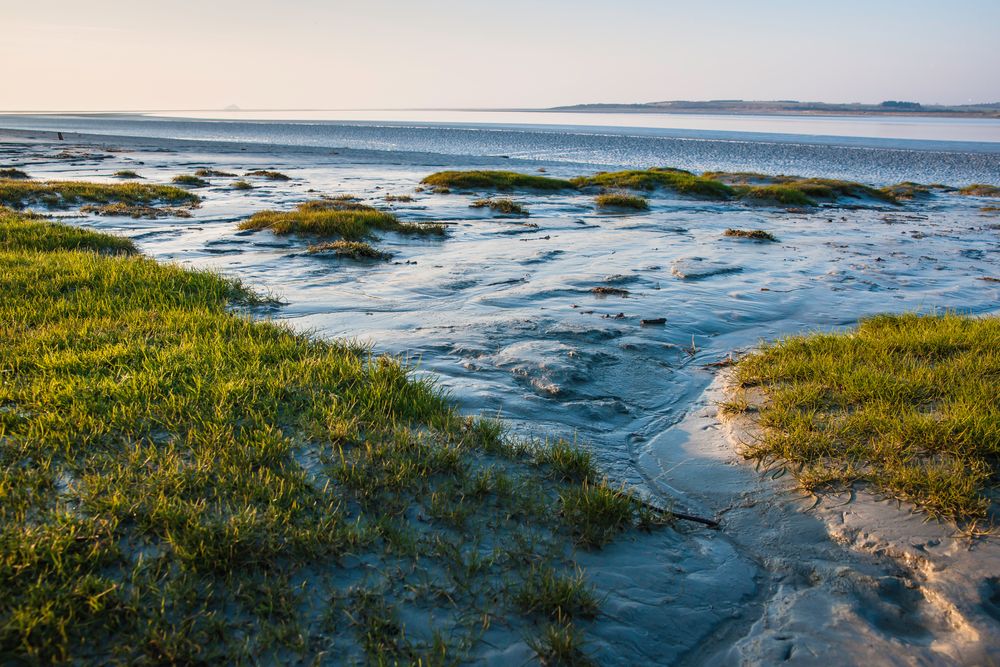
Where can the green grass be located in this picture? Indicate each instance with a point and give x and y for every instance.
(561, 645)
(786, 195)
(619, 200)
(12, 173)
(335, 218)
(61, 194)
(805, 191)
(189, 181)
(906, 404)
(906, 190)
(752, 234)
(241, 185)
(181, 483)
(398, 198)
(269, 175)
(211, 173)
(980, 190)
(136, 211)
(126, 173)
(676, 180)
(494, 180)
(349, 250)
(502, 206)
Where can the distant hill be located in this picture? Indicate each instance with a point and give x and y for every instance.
(894, 107)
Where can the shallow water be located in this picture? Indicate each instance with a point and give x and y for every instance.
(501, 312)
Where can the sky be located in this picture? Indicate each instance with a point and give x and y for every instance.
(334, 54)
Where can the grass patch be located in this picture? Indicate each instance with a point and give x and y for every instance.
(596, 513)
(136, 211)
(213, 173)
(621, 201)
(126, 173)
(338, 218)
(906, 190)
(241, 185)
(904, 403)
(784, 195)
(753, 234)
(269, 175)
(561, 645)
(980, 190)
(189, 181)
(494, 180)
(502, 206)
(183, 484)
(14, 174)
(399, 198)
(349, 250)
(61, 194)
(676, 180)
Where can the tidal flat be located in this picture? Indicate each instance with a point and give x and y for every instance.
(539, 327)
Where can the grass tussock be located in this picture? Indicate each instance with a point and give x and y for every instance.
(399, 198)
(126, 173)
(806, 191)
(676, 180)
(337, 218)
(349, 250)
(615, 200)
(136, 211)
(502, 206)
(906, 404)
(213, 173)
(61, 194)
(269, 175)
(183, 484)
(241, 185)
(189, 181)
(980, 190)
(494, 180)
(752, 234)
(13, 174)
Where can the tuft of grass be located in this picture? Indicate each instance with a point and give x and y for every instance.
(753, 234)
(269, 175)
(785, 195)
(547, 592)
(126, 173)
(27, 234)
(596, 513)
(619, 200)
(349, 250)
(241, 185)
(980, 190)
(503, 206)
(399, 198)
(905, 190)
(60, 194)
(343, 218)
(210, 173)
(561, 645)
(494, 180)
(136, 211)
(14, 174)
(667, 178)
(566, 462)
(602, 290)
(905, 403)
(189, 181)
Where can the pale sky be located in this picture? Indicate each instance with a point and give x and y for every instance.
(334, 54)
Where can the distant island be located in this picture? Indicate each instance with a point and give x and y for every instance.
(784, 107)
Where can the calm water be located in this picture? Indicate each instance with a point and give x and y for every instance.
(873, 150)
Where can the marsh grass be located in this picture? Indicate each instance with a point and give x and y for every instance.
(349, 250)
(341, 218)
(502, 206)
(621, 201)
(189, 181)
(126, 173)
(136, 211)
(213, 173)
(906, 404)
(550, 593)
(182, 484)
(561, 645)
(398, 198)
(752, 234)
(980, 190)
(61, 194)
(667, 178)
(241, 185)
(269, 175)
(494, 180)
(785, 195)
(13, 174)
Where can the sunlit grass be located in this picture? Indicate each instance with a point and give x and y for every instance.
(60, 194)
(494, 180)
(336, 218)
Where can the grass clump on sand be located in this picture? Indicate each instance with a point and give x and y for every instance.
(136, 211)
(805, 191)
(189, 181)
(502, 206)
(14, 174)
(677, 180)
(210, 173)
(906, 404)
(343, 218)
(269, 175)
(241, 185)
(399, 198)
(183, 484)
(60, 194)
(126, 173)
(494, 180)
(753, 234)
(980, 190)
(622, 201)
(349, 250)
